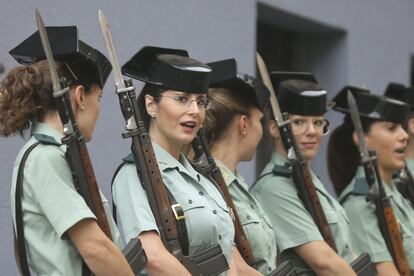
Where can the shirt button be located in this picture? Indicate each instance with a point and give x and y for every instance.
(215, 212)
(248, 217)
(252, 206)
(201, 193)
(190, 201)
(220, 236)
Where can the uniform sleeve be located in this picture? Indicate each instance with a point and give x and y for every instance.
(52, 184)
(366, 235)
(132, 203)
(292, 223)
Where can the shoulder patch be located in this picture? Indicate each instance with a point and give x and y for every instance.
(285, 171)
(360, 187)
(46, 139)
(129, 158)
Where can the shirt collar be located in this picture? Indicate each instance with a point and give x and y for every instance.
(410, 162)
(166, 161)
(228, 175)
(278, 159)
(46, 129)
(360, 173)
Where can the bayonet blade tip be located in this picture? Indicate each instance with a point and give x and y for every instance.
(102, 17)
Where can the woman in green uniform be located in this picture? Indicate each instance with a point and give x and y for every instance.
(241, 100)
(405, 94)
(298, 237)
(60, 230)
(383, 121)
(173, 109)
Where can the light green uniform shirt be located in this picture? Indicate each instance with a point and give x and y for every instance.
(410, 165)
(206, 214)
(366, 235)
(51, 205)
(256, 224)
(292, 223)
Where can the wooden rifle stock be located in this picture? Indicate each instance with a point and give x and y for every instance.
(148, 170)
(200, 147)
(150, 177)
(79, 161)
(387, 222)
(94, 193)
(85, 182)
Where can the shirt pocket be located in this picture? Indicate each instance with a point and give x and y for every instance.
(200, 224)
(339, 232)
(255, 232)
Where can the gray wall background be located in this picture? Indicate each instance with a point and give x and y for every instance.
(376, 48)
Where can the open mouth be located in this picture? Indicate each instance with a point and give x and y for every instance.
(400, 150)
(189, 125)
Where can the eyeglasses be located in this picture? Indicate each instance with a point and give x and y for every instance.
(300, 125)
(185, 102)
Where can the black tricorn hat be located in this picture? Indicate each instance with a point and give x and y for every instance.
(400, 92)
(373, 106)
(225, 75)
(66, 48)
(299, 93)
(341, 99)
(168, 68)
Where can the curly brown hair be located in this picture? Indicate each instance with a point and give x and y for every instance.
(26, 94)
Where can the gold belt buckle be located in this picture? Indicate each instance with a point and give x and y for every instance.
(177, 217)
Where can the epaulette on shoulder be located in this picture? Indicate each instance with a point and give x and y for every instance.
(129, 158)
(284, 171)
(46, 139)
(361, 187)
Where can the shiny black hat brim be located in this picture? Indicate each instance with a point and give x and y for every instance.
(66, 47)
(169, 69)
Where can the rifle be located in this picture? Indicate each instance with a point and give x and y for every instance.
(170, 218)
(386, 219)
(300, 170)
(301, 174)
(284, 269)
(363, 265)
(200, 147)
(77, 153)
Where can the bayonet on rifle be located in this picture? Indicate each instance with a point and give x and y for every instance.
(387, 222)
(301, 173)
